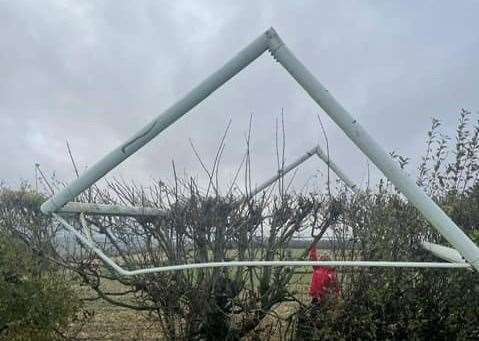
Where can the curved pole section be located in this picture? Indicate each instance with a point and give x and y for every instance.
(351, 127)
(90, 244)
(330, 163)
(163, 121)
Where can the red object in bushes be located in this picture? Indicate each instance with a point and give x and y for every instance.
(324, 280)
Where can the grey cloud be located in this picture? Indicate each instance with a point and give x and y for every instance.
(95, 72)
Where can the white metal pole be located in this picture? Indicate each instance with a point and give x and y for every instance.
(282, 172)
(380, 264)
(103, 209)
(351, 127)
(90, 244)
(443, 252)
(329, 162)
(195, 96)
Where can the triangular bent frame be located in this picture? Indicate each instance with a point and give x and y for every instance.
(270, 41)
(73, 207)
(303, 158)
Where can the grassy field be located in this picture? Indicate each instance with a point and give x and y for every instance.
(110, 322)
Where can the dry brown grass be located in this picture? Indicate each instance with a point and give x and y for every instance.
(110, 322)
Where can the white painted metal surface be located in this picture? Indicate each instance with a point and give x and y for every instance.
(91, 245)
(108, 210)
(443, 252)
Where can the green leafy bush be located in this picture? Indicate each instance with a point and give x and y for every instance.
(412, 304)
(36, 300)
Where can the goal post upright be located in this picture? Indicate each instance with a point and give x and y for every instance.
(351, 127)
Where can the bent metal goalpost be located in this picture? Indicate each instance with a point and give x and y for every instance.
(270, 41)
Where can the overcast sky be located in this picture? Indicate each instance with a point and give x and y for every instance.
(94, 72)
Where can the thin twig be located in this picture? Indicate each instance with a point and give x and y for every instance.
(72, 160)
(327, 152)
